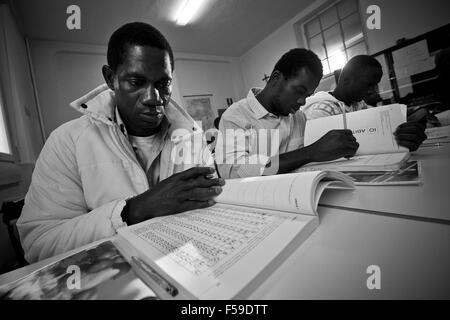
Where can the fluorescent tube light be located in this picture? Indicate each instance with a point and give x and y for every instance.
(189, 9)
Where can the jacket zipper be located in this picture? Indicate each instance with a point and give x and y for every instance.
(129, 153)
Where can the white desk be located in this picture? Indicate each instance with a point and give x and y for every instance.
(414, 258)
(430, 200)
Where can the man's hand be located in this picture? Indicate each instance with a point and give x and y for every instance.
(188, 190)
(334, 145)
(411, 134)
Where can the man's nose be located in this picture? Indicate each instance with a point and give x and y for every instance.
(151, 95)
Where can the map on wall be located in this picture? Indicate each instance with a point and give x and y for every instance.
(199, 107)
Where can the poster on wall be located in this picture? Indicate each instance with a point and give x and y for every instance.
(200, 108)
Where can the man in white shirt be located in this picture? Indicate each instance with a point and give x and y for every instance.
(119, 163)
(263, 134)
(358, 80)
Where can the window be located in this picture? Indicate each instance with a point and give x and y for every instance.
(336, 35)
(5, 149)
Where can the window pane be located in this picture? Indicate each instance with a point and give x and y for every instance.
(316, 45)
(312, 28)
(326, 68)
(337, 61)
(333, 41)
(352, 30)
(357, 50)
(347, 7)
(329, 18)
(4, 145)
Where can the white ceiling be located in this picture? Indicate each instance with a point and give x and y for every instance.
(225, 27)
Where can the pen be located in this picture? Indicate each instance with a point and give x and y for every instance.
(344, 116)
(155, 276)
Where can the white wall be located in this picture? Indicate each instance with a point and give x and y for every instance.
(261, 59)
(399, 19)
(65, 71)
(201, 76)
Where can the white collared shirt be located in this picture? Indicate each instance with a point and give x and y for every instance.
(323, 104)
(249, 157)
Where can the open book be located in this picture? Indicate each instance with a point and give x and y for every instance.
(226, 251)
(373, 129)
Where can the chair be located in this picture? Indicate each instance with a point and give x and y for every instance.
(11, 213)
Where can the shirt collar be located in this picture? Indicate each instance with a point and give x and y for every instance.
(119, 122)
(256, 107)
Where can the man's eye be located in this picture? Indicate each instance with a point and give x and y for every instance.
(135, 82)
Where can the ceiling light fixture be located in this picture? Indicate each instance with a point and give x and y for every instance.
(188, 10)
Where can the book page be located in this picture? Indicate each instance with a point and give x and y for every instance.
(214, 252)
(286, 192)
(373, 128)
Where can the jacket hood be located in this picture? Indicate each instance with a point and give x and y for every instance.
(100, 105)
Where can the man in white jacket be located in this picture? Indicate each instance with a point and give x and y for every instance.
(124, 160)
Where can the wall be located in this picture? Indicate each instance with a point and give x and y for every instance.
(399, 19)
(261, 59)
(218, 76)
(65, 71)
(405, 19)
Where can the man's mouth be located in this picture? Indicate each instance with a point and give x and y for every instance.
(153, 114)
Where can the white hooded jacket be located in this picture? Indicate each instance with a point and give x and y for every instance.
(86, 171)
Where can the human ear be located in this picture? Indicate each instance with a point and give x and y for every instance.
(108, 75)
(275, 77)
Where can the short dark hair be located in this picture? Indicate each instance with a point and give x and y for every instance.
(135, 33)
(357, 64)
(295, 59)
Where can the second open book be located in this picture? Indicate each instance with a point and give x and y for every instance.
(226, 251)
(373, 129)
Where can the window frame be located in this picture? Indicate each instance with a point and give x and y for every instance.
(6, 157)
(316, 15)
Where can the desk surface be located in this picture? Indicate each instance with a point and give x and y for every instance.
(430, 200)
(414, 258)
